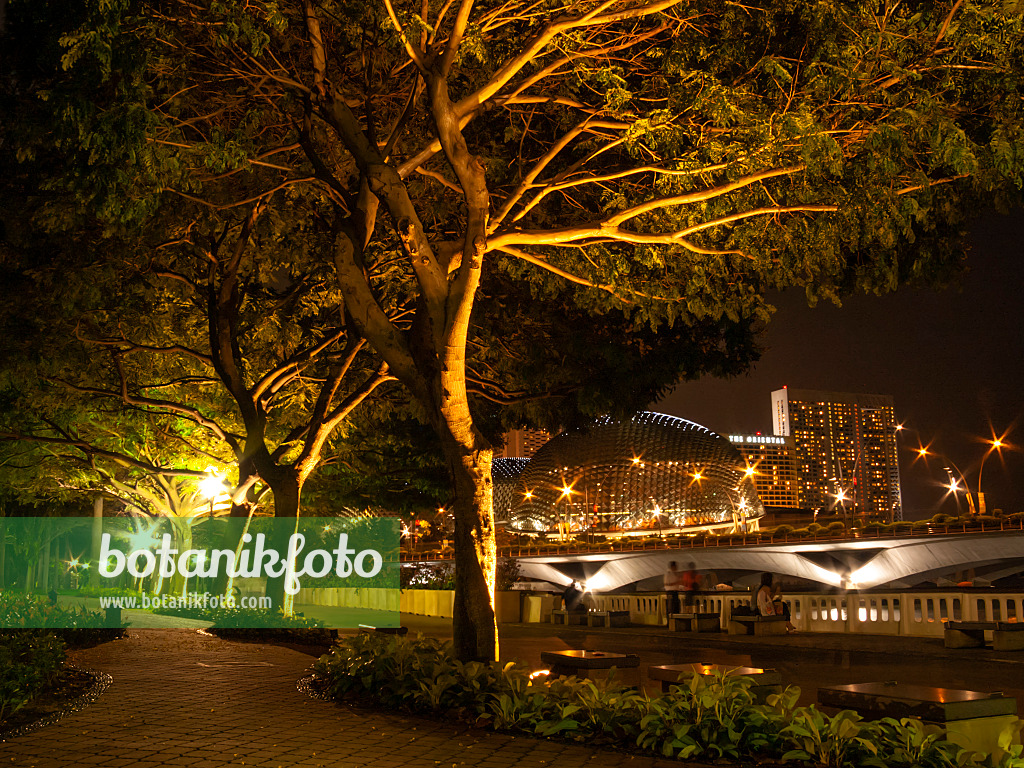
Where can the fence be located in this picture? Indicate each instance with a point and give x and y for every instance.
(908, 612)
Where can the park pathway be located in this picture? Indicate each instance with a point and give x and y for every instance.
(181, 698)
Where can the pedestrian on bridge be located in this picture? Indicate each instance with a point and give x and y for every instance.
(690, 582)
(672, 585)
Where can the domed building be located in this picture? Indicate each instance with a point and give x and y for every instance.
(505, 474)
(651, 471)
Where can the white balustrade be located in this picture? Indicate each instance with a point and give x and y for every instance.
(906, 612)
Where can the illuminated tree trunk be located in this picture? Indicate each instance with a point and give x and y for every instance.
(474, 626)
(3, 548)
(96, 539)
(182, 541)
(286, 486)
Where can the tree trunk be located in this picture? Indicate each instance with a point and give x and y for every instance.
(3, 549)
(474, 628)
(44, 560)
(97, 535)
(237, 525)
(287, 492)
(182, 541)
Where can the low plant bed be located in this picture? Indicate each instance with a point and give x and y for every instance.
(71, 690)
(709, 718)
(35, 681)
(242, 618)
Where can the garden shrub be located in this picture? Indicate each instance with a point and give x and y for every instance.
(32, 611)
(832, 742)
(29, 662)
(911, 744)
(506, 573)
(710, 717)
(706, 717)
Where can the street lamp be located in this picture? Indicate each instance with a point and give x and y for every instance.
(841, 497)
(954, 486)
(566, 494)
(994, 445)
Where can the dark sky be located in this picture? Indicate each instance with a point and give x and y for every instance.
(952, 360)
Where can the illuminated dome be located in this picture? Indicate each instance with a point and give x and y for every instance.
(505, 473)
(649, 471)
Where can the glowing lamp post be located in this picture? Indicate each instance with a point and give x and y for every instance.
(994, 445)
(566, 518)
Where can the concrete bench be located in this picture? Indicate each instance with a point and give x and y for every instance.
(694, 622)
(766, 681)
(966, 634)
(562, 616)
(588, 663)
(1006, 636)
(972, 719)
(608, 619)
(757, 625)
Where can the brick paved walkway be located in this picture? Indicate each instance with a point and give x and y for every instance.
(180, 698)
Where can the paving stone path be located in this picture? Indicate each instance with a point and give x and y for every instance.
(181, 698)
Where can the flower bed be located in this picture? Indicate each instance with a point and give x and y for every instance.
(708, 718)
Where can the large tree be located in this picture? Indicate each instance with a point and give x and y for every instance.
(669, 159)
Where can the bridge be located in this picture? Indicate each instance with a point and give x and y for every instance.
(854, 563)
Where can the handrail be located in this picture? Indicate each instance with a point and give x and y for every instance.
(747, 539)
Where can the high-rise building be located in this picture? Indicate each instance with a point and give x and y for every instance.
(772, 462)
(521, 443)
(845, 449)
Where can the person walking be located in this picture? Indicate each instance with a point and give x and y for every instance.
(690, 582)
(572, 598)
(672, 588)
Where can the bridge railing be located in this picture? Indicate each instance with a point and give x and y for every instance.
(908, 613)
(732, 540)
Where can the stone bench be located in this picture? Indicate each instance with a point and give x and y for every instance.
(586, 663)
(1006, 636)
(972, 719)
(694, 622)
(608, 619)
(766, 681)
(966, 634)
(562, 616)
(757, 625)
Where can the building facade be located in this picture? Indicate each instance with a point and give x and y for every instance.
(521, 443)
(772, 462)
(845, 447)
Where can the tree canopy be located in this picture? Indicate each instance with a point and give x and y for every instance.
(666, 160)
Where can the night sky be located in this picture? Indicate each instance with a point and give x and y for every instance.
(952, 360)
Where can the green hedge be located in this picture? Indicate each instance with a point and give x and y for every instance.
(32, 611)
(706, 718)
(241, 618)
